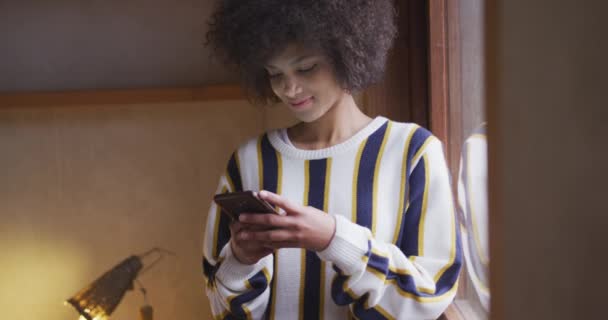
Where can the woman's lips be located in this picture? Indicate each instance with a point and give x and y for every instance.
(301, 103)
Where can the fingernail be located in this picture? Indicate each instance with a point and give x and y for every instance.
(263, 193)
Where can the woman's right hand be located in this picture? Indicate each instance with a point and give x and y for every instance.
(246, 251)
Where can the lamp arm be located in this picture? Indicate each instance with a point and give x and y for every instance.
(160, 252)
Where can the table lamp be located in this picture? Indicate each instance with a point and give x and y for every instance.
(98, 300)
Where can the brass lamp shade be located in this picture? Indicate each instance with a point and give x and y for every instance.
(100, 298)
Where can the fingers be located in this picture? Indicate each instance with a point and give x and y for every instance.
(269, 236)
(279, 201)
(268, 220)
(281, 244)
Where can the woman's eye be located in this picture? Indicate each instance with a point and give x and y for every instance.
(274, 76)
(304, 70)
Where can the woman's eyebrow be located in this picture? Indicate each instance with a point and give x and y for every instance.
(293, 61)
(300, 58)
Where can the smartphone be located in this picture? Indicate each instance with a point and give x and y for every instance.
(235, 203)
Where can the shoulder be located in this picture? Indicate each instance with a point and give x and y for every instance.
(251, 147)
(411, 142)
(412, 135)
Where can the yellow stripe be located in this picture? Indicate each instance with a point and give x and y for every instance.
(405, 294)
(425, 198)
(392, 269)
(222, 315)
(216, 227)
(422, 149)
(249, 287)
(442, 297)
(279, 176)
(266, 274)
(355, 179)
(469, 198)
(453, 244)
(376, 170)
(404, 169)
(306, 181)
(260, 165)
(478, 135)
(325, 209)
(327, 183)
(407, 196)
(273, 303)
(247, 313)
(279, 173)
(245, 309)
(302, 274)
(303, 251)
(274, 285)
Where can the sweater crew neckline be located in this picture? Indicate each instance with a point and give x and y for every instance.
(289, 150)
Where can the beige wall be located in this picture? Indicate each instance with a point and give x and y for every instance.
(84, 187)
(548, 132)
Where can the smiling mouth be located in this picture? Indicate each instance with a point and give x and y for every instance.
(300, 103)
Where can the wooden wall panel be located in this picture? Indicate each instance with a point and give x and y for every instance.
(84, 187)
(403, 95)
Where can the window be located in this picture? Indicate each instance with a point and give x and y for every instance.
(457, 116)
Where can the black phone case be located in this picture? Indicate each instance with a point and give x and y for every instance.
(235, 203)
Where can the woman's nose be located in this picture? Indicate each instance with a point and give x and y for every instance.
(291, 87)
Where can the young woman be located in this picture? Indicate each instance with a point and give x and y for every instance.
(367, 228)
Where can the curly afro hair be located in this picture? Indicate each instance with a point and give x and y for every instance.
(355, 35)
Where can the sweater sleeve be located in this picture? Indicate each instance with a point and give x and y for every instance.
(235, 290)
(415, 278)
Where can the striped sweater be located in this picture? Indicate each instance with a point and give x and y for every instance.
(395, 253)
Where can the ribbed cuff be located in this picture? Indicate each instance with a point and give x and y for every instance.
(348, 247)
(233, 271)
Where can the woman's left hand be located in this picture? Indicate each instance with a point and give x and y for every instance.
(296, 227)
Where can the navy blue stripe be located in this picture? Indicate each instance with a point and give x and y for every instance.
(445, 283)
(418, 138)
(378, 263)
(316, 186)
(208, 270)
(365, 177)
(234, 174)
(270, 182)
(223, 233)
(312, 276)
(478, 267)
(450, 276)
(368, 314)
(258, 284)
(340, 297)
(409, 243)
(271, 165)
(406, 282)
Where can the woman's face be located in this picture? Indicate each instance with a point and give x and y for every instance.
(304, 80)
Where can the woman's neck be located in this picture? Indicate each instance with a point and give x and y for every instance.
(338, 124)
